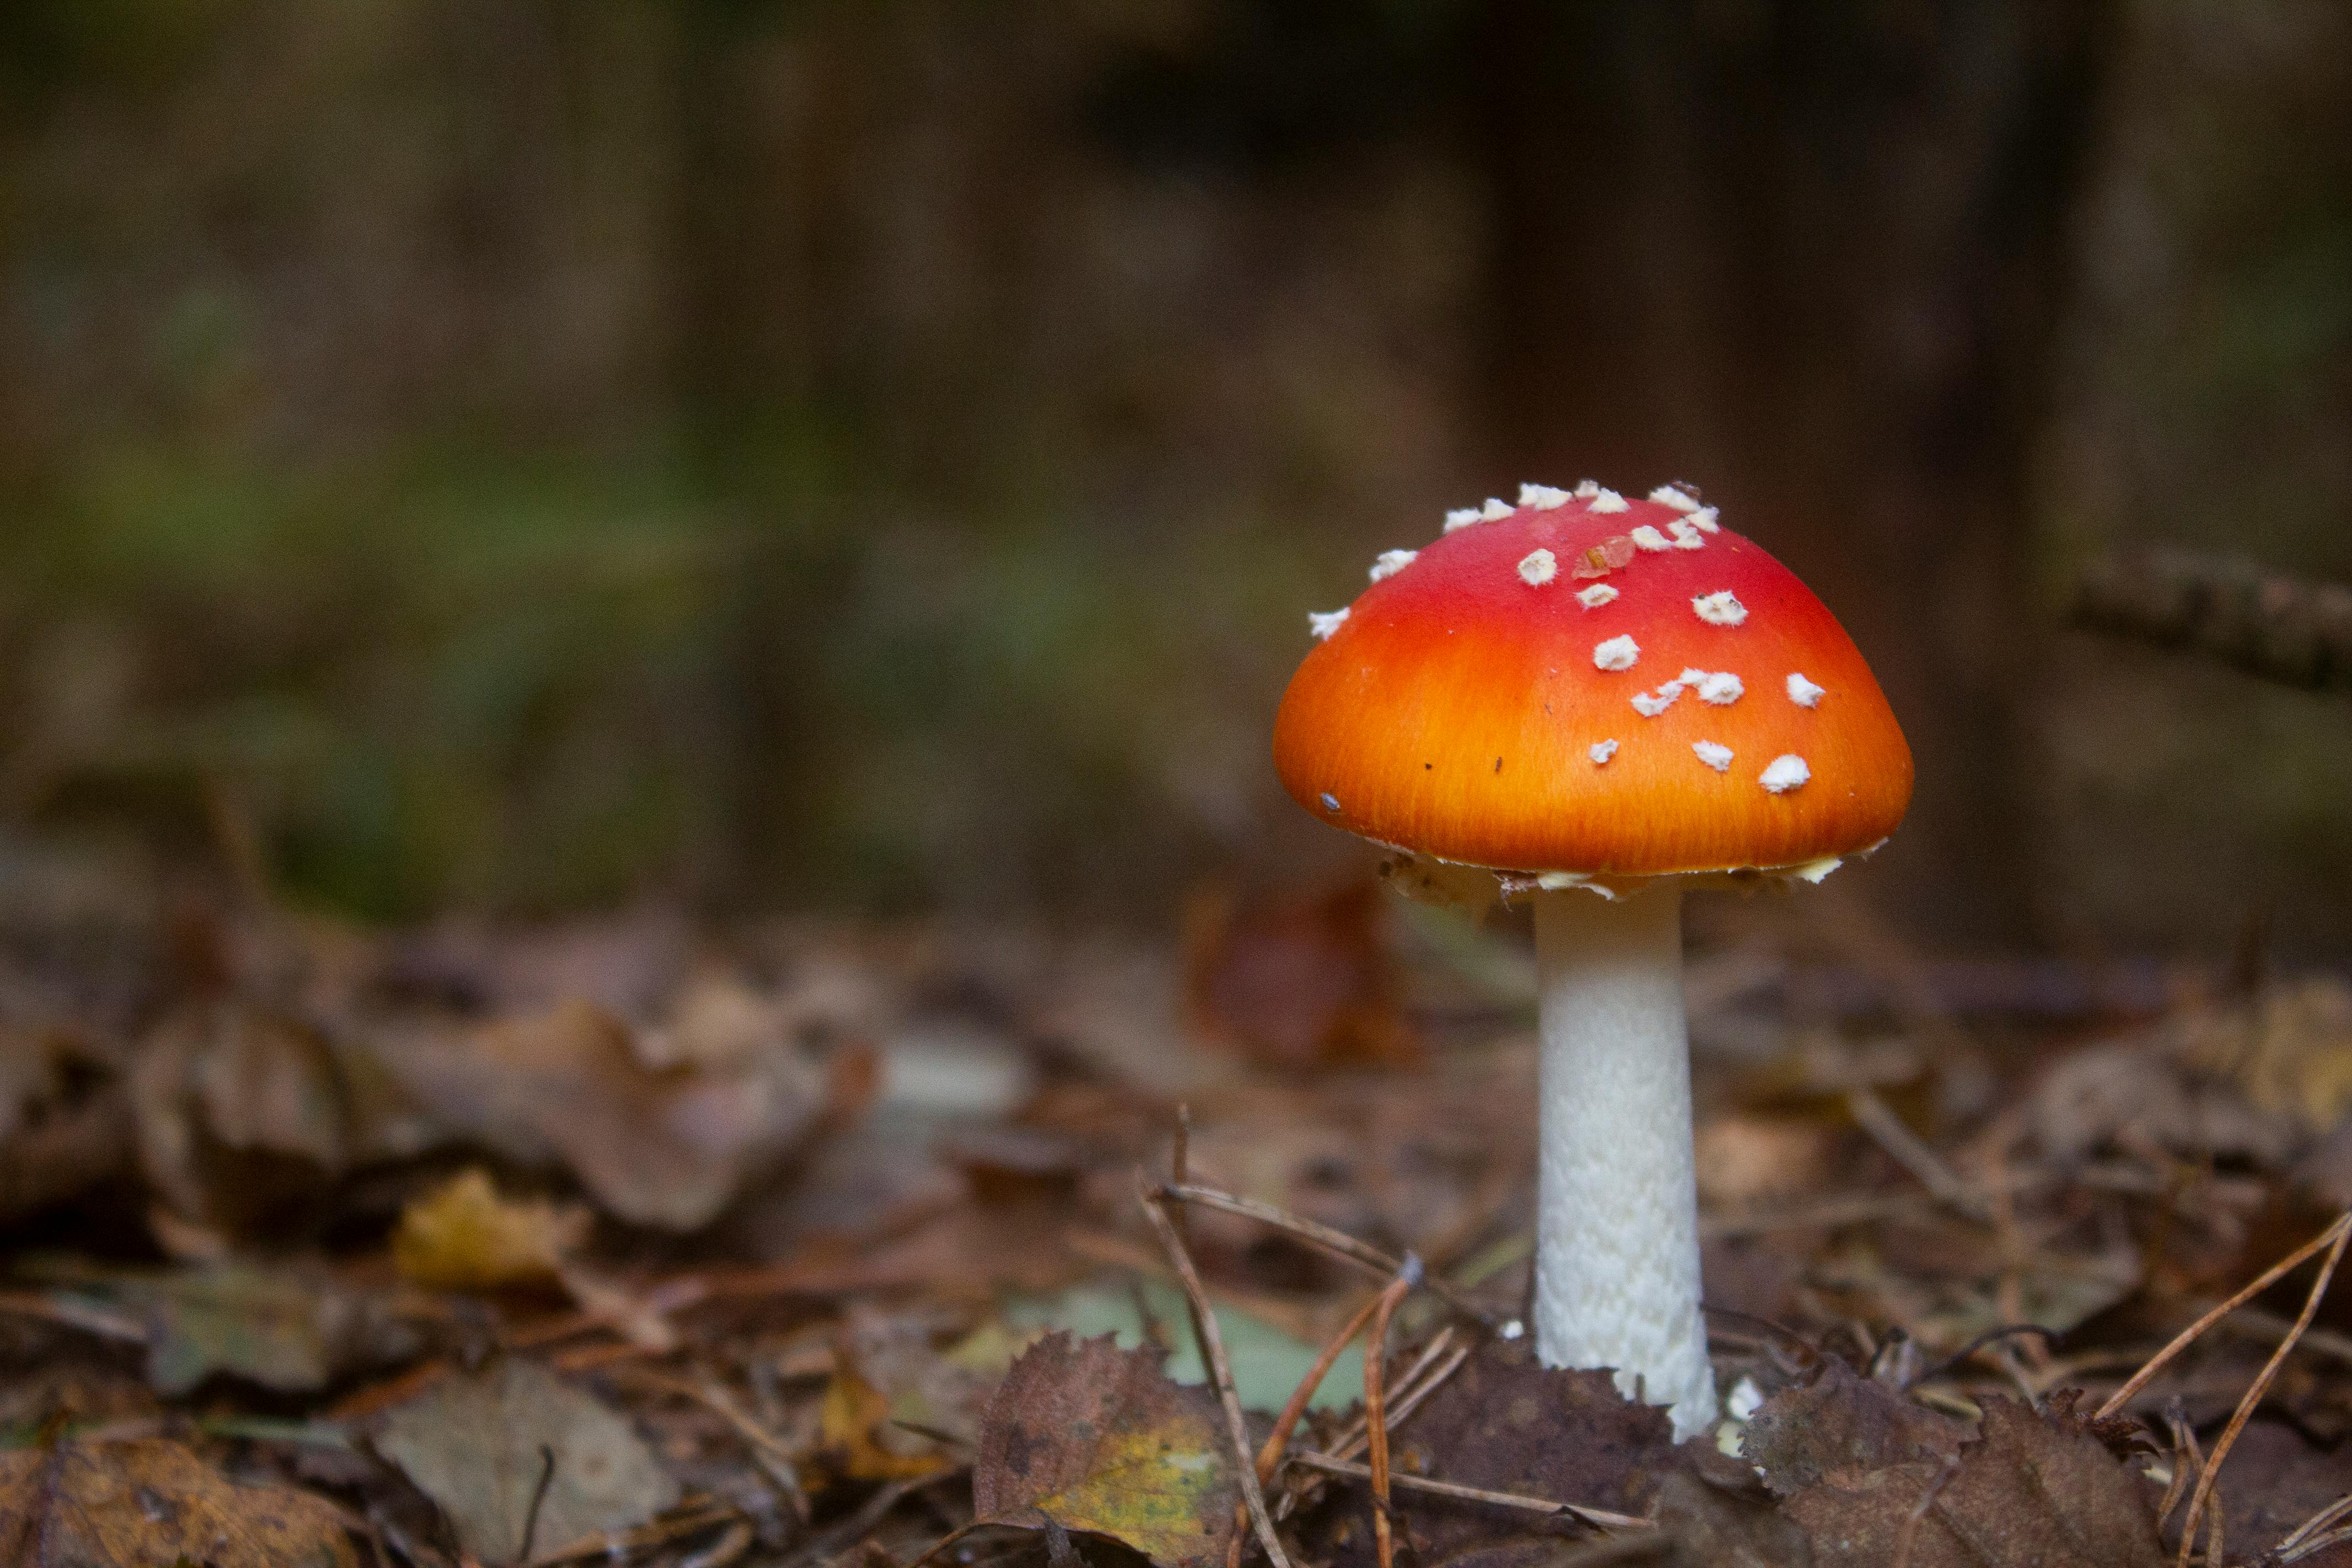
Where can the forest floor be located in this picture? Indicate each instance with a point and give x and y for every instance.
(631, 1242)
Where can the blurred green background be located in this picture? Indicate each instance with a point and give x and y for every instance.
(878, 454)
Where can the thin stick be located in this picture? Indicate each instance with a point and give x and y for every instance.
(2318, 1522)
(1599, 1518)
(1907, 1149)
(1919, 1512)
(2245, 1411)
(1213, 1351)
(1376, 1422)
(1352, 1442)
(2332, 1237)
(1293, 1410)
(1337, 1243)
(2188, 1458)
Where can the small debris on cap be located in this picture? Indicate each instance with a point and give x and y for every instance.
(1687, 535)
(1722, 688)
(1595, 596)
(1495, 510)
(1784, 773)
(1542, 497)
(1704, 521)
(1650, 704)
(1601, 752)
(1323, 623)
(1666, 495)
(1587, 488)
(1815, 870)
(1649, 538)
(1538, 567)
(1330, 801)
(1463, 517)
(1553, 881)
(1721, 609)
(1804, 692)
(1609, 500)
(1599, 560)
(1617, 653)
(1717, 757)
(1393, 562)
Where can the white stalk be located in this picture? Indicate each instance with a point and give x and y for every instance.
(1617, 1207)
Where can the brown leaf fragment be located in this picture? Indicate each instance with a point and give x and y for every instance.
(1101, 1440)
(1503, 1422)
(1839, 1428)
(147, 1503)
(483, 1447)
(657, 1142)
(1712, 1530)
(2028, 1492)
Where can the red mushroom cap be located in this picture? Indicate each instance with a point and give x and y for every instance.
(1466, 706)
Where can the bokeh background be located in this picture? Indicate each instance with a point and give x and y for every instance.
(875, 456)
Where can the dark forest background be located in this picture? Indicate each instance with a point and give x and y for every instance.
(876, 456)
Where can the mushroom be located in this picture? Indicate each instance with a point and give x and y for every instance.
(1707, 723)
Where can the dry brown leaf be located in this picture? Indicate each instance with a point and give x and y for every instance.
(1714, 1529)
(58, 1135)
(664, 1146)
(238, 1108)
(1100, 1440)
(147, 1503)
(462, 1235)
(1503, 1422)
(2029, 1492)
(1295, 982)
(1839, 1428)
(891, 1390)
(486, 1445)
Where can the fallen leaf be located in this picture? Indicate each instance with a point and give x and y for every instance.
(1099, 1439)
(1504, 1423)
(462, 1235)
(65, 1121)
(2028, 1492)
(238, 1110)
(854, 1426)
(1840, 1426)
(1713, 1530)
(146, 1503)
(289, 1329)
(1297, 982)
(482, 1445)
(663, 1146)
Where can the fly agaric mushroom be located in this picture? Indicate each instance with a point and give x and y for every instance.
(1600, 704)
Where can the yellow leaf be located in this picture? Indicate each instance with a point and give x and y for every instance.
(854, 1423)
(462, 1235)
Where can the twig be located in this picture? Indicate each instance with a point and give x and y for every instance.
(1213, 1351)
(2332, 1237)
(2188, 1458)
(1599, 1518)
(725, 1550)
(1376, 1422)
(2318, 1522)
(1337, 1243)
(86, 1316)
(1918, 1514)
(538, 1500)
(870, 1513)
(1294, 1409)
(1417, 1388)
(1908, 1150)
(696, 1514)
(2279, 627)
(2245, 1411)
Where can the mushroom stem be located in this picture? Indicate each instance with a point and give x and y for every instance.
(1617, 1276)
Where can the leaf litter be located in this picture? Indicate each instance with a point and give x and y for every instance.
(808, 1244)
